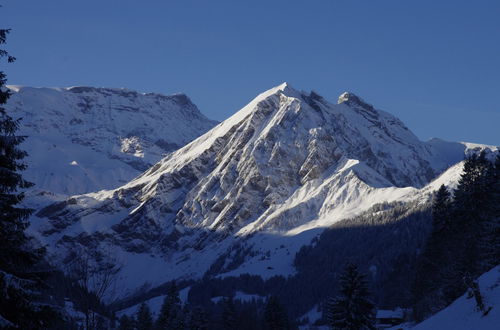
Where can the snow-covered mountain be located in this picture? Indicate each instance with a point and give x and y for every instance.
(245, 196)
(84, 139)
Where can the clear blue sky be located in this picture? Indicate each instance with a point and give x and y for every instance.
(434, 64)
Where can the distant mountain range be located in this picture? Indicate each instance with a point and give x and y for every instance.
(84, 139)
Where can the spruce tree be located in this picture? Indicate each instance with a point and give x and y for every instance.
(470, 213)
(144, 319)
(477, 215)
(229, 317)
(126, 323)
(275, 317)
(352, 309)
(490, 243)
(18, 279)
(171, 316)
(432, 265)
(441, 209)
(464, 241)
(198, 319)
(16, 254)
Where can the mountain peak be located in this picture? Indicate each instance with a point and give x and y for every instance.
(284, 85)
(285, 88)
(352, 99)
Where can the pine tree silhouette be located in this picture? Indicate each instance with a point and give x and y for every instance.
(275, 317)
(352, 308)
(144, 319)
(170, 316)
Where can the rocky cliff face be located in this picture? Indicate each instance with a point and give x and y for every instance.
(83, 139)
(285, 165)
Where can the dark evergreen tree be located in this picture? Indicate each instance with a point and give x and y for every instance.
(248, 315)
(144, 319)
(490, 243)
(352, 309)
(198, 319)
(112, 320)
(275, 317)
(19, 281)
(126, 323)
(464, 240)
(171, 316)
(16, 255)
(477, 218)
(431, 269)
(494, 244)
(441, 209)
(229, 317)
(470, 207)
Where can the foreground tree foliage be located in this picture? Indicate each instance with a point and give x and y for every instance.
(352, 309)
(464, 242)
(20, 263)
(16, 256)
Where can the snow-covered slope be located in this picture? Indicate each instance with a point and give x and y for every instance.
(255, 188)
(462, 314)
(84, 139)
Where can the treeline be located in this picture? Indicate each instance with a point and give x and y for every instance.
(465, 238)
(225, 313)
(383, 241)
(352, 308)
